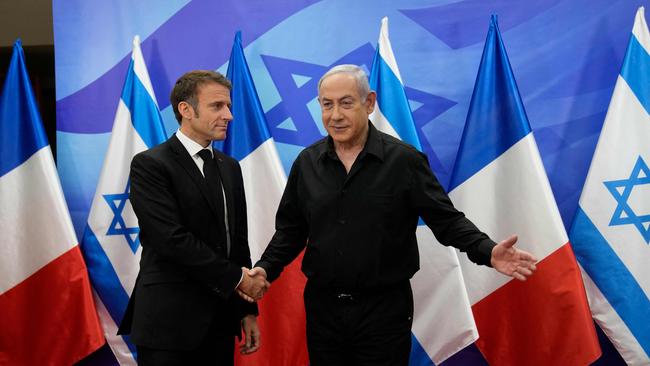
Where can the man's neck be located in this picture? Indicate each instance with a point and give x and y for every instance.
(354, 146)
(189, 133)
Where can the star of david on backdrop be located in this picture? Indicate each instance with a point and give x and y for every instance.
(297, 96)
(117, 203)
(621, 191)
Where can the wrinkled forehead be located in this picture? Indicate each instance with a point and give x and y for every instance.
(339, 86)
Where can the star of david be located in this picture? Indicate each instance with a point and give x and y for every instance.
(296, 83)
(117, 203)
(621, 191)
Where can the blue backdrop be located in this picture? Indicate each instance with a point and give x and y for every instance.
(565, 56)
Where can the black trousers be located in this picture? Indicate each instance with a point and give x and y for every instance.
(359, 328)
(215, 350)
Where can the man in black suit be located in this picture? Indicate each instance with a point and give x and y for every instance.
(191, 208)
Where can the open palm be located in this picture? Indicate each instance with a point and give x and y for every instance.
(511, 261)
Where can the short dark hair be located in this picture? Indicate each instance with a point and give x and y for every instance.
(187, 86)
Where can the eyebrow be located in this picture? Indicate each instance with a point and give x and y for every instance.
(341, 98)
(217, 103)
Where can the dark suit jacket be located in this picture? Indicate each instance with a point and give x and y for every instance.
(186, 281)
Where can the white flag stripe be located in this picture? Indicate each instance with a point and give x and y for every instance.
(441, 335)
(535, 219)
(264, 182)
(120, 349)
(125, 143)
(625, 136)
(640, 31)
(33, 211)
(140, 68)
(381, 123)
(616, 330)
(386, 50)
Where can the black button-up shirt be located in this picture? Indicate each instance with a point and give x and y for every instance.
(359, 227)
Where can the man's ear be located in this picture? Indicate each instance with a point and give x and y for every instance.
(186, 110)
(370, 102)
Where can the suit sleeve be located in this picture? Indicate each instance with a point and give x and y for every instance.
(241, 238)
(291, 229)
(449, 225)
(162, 229)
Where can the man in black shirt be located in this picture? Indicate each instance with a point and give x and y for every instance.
(354, 199)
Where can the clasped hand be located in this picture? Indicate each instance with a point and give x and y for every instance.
(253, 285)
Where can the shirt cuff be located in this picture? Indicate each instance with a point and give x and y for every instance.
(240, 279)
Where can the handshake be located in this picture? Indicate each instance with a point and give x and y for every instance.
(253, 284)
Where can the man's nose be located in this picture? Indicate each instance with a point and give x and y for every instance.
(228, 115)
(336, 114)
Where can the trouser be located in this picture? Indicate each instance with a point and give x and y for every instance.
(371, 327)
(215, 350)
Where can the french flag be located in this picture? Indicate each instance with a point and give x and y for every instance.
(282, 313)
(47, 313)
(442, 321)
(500, 183)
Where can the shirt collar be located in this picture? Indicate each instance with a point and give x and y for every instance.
(190, 145)
(374, 145)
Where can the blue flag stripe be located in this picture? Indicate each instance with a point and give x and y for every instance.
(105, 280)
(612, 277)
(496, 119)
(636, 71)
(21, 128)
(392, 100)
(249, 128)
(145, 116)
(419, 356)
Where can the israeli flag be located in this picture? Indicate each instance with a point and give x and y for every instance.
(611, 229)
(111, 244)
(443, 322)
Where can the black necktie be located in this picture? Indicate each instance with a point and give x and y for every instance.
(213, 180)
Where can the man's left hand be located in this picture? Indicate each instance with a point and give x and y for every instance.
(511, 261)
(252, 336)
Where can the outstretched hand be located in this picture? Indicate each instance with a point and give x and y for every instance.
(511, 261)
(253, 285)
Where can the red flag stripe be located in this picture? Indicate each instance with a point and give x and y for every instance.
(282, 322)
(50, 318)
(541, 321)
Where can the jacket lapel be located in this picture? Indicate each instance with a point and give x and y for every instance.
(185, 160)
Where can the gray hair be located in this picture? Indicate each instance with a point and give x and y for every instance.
(359, 76)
